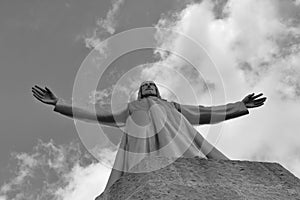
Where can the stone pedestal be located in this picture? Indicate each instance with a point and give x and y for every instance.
(195, 178)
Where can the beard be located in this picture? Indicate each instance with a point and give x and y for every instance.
(147, 95)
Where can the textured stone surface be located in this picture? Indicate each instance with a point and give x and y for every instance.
(195, 178)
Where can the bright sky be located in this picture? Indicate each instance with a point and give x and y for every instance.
(254, 44)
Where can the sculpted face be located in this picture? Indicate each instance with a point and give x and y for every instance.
(148, 88)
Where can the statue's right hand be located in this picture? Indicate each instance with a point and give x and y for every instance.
(44, 95)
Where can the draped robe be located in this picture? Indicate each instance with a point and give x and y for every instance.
(155, 127)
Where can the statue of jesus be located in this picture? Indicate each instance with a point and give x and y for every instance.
(155, 126)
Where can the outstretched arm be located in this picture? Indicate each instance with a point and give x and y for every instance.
(102, 116)
(197, 115)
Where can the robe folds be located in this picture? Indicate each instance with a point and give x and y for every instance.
(155, 127)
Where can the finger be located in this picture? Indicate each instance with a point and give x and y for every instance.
(257, 105)
(38, 98)
(48, 90)
(260, 104)
(40, 88)
(247, 98)
(250, 95)
(254, 97)
(261, 99)
(38, 92)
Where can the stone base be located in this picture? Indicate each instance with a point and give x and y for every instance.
(195, 178)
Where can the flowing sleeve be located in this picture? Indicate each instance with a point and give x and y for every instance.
(197, 114)
(102, 115)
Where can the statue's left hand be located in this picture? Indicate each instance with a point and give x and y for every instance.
(252, 101)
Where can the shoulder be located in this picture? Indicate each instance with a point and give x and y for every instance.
(171, 104)
(176, 105)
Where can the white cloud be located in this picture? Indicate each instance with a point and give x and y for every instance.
(110, 22)
(84, 182)
(105, 27)
(99, 96)
(297, 2)
(55, 172)
(106, 155)
(250, 48)
(3, 198)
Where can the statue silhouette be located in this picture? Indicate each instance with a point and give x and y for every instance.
(155, 126)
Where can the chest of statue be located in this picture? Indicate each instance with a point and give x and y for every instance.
(146, 115)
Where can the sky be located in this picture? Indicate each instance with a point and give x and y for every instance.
(253, 44)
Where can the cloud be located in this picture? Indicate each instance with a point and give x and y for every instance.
(101, 96)
(249, 40)
(55, 172)
(297, 2)
(110, 22)
(105, 28)
(3, 197)
(106, 155)
(256, 49)
(84, 182)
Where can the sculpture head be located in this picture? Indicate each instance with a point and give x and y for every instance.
(148, 88)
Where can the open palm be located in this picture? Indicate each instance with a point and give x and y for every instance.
(44, 95)
(252, 101)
